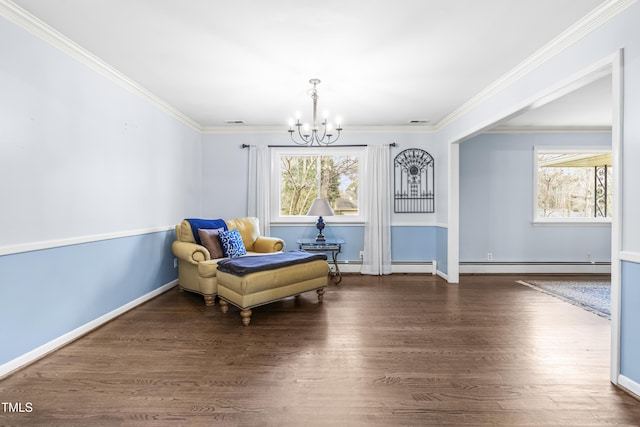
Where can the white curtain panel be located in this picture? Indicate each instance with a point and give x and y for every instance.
(252, 181)
(258, 194)
(377, 208)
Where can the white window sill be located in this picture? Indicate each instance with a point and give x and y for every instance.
(586, 222)
(305, 221)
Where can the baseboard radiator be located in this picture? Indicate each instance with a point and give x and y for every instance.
(538, 267)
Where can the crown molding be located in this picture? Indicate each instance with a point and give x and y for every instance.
(550, 129)
(586, 25)
(244, 129)
(25, 20)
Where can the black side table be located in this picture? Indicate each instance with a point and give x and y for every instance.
(334, 246)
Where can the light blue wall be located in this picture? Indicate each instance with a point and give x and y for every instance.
(442, 245)
(496, 203)
(353, 237)
(81, 159)
(48, 293)
(413, 243)
(630, 304)
(410, 243)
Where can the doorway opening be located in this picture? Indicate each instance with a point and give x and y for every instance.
(610, 68)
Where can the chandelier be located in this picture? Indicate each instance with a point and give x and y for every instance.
(320, 134)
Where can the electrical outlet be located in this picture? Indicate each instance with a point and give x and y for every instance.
(175, 263)
(489, 256)
(589, 258)
(361, 254)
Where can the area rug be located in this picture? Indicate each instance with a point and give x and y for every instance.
(594, 296)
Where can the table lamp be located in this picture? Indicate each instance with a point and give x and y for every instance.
(320, 208)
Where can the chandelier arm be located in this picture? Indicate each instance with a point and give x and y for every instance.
(329, 139)
(337, 136)
(324, 134)
(296, 141)
(304, 140)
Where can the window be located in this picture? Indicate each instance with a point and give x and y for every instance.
(573, 185)
(306, 174)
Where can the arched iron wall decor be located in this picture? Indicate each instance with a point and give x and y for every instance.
(413, 182)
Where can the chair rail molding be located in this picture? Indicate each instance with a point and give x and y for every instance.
(50, 244)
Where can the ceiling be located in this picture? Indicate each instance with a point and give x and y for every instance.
(383, 63)
(589, 107)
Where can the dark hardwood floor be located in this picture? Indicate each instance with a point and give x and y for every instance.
(397, 350)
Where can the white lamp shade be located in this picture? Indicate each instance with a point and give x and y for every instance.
(320, 207)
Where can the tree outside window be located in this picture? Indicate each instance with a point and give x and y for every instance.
(306, 178)
(574, 185)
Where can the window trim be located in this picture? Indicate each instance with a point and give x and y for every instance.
(274, 208)
(591, 221)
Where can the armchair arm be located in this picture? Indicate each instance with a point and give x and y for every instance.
(190, 252)
(208, 269)
(266, 244)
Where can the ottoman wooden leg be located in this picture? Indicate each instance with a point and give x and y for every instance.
(320, 293)
(209, 299)
(246, 317)
(224, 306)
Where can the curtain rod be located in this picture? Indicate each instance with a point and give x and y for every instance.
(393, 144)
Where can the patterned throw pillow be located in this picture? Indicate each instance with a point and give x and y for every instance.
(232, 244)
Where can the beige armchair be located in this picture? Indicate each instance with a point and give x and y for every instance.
(197, 270)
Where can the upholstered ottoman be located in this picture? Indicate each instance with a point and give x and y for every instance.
(251, 281)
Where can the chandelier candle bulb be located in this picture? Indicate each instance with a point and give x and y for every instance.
(329, 129)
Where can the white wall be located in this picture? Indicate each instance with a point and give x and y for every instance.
(81, 155)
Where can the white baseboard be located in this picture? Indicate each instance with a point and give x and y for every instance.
(428, 267)
(423, 267)
(348, 267)
(65, 339)
(534, 268)
(629, 385)
(443, 275)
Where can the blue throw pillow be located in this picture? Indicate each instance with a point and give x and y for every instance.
(232, 245)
